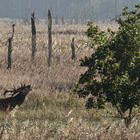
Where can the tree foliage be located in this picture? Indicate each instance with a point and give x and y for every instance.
(113, 70)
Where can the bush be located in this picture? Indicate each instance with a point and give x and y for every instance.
(113, 70)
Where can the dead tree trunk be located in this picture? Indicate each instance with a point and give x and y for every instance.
(73, 57)
(63, 20)
(56, 20)
(10, 39)
(33, 35)
(49, 38)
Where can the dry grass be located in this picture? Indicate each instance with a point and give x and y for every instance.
(61, 116)
(50, 111)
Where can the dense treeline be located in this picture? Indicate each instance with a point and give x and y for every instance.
(69, 9)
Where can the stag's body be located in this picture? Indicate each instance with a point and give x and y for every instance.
(10, 103)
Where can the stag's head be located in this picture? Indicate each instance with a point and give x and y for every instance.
(25, 89)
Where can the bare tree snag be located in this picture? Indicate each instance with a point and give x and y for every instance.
(33, 35)
(56, 20)
(63, 20)
(10, 39)
(49, 37)
(73, 57)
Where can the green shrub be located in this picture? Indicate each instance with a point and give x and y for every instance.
(113, 70)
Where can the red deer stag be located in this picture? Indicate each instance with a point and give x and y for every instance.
(17, 97)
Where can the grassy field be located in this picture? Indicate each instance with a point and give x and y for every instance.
(51, 111)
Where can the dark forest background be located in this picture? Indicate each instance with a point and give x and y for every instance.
(81, 10)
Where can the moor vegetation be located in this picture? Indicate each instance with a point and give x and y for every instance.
(51, 110)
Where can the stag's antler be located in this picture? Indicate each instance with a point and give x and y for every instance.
(23, 85)
(10, 91)
(14, 90)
